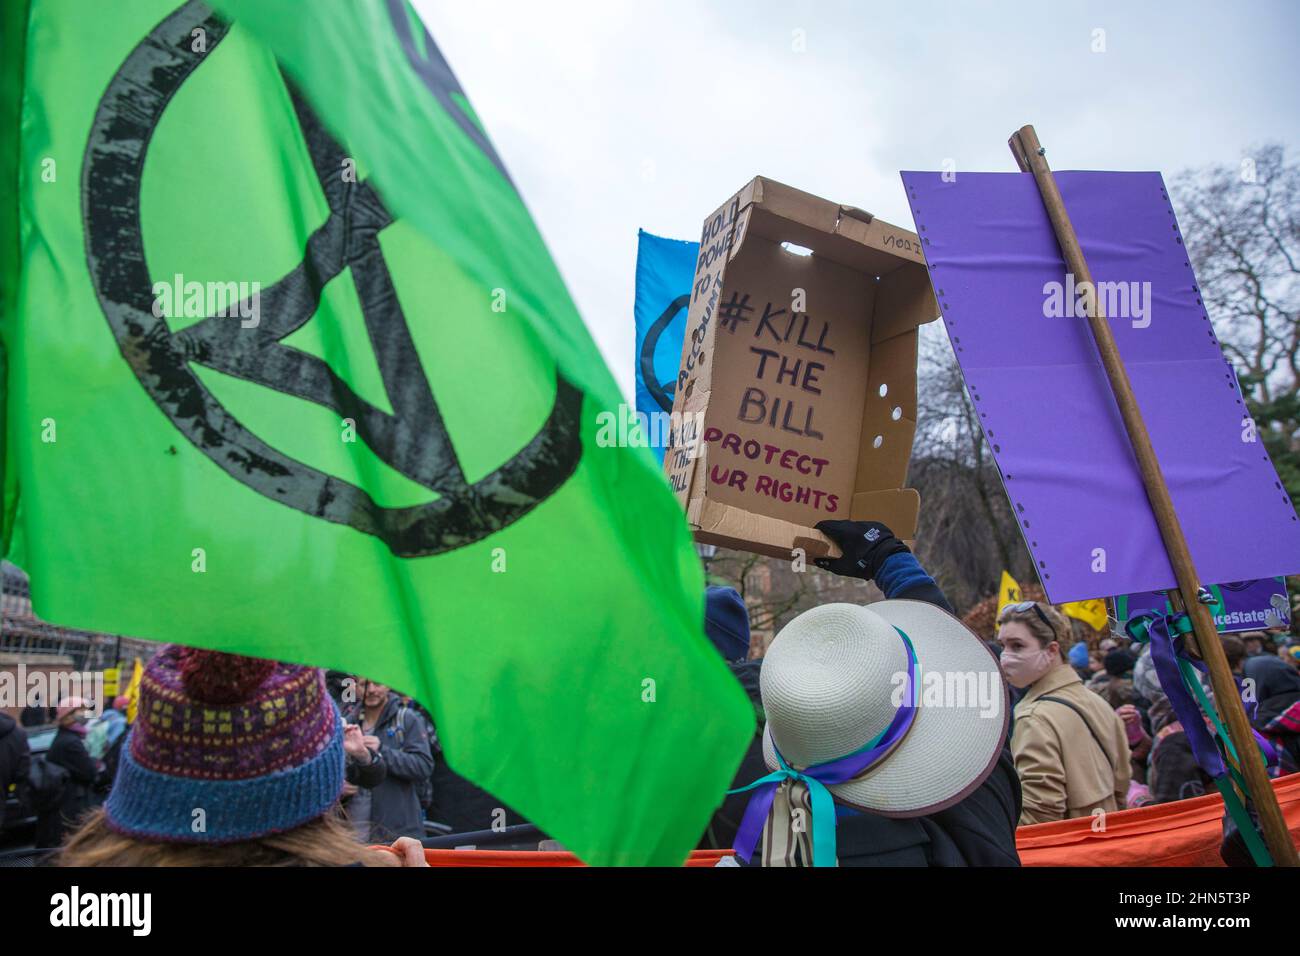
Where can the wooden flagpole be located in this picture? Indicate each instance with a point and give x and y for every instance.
(1030, 155)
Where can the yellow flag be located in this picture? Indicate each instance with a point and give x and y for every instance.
(1092, 613)
(133, 691)
(1008, 592)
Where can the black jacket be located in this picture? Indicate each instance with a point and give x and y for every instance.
(978, 831)
(68, 750)
(721, 833)
(14, 760)
(1277, 685)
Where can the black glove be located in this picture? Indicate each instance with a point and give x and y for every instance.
(866, 546)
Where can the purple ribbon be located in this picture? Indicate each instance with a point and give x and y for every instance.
(1166, 651)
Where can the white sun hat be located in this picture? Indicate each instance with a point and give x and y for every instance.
(833, 679)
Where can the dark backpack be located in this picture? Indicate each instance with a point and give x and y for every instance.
(424, 788)
(48, 782)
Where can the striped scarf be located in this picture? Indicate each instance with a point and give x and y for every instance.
(786, 835)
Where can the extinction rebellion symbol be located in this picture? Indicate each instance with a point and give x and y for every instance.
(661, 392)
(414, 440)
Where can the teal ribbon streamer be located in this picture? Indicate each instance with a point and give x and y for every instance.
(823, 808)
(1178, 679)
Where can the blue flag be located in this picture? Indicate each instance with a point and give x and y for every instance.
(665, 269)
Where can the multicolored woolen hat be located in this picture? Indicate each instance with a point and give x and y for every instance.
(226, 748)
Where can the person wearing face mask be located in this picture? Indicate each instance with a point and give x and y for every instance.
(1070, 748)
(68, 750)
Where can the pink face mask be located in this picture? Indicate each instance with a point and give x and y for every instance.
(1022, 668)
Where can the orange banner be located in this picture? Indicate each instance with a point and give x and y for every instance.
(1184, 833)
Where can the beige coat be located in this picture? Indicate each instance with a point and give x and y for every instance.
(1063, 772)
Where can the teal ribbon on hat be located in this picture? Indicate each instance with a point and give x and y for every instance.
(819, 777)
(823, 810)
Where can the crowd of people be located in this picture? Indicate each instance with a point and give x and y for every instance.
(1148, 746)
(239, 761)
(1090, 729)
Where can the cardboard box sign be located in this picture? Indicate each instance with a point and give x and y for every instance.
(796, 396)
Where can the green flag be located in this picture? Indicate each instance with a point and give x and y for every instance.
(289, 372)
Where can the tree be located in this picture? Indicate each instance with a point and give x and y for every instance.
(1242, 228)
(752, 576)
(967, 533)
(775, 590)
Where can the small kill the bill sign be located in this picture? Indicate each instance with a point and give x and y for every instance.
(797, 386)
(777, 446)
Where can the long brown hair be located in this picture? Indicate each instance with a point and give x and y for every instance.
(326, 841)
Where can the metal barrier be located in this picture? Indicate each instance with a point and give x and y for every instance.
(523, 836)
(85, 650)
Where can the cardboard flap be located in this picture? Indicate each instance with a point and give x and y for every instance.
(845, 234)
(740, 232)
(904, 300)
(841, 244)
(817, 545)
(901, 244)
(853, 212)
(899, 509)
(795, 205)
(696, 364)
(889, 420)
(731, 527)
(854, 224)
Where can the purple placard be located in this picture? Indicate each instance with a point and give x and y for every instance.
(1046, 407)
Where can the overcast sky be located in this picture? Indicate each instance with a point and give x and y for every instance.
(617, 115)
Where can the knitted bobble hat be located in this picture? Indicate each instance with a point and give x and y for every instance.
(226, 748)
